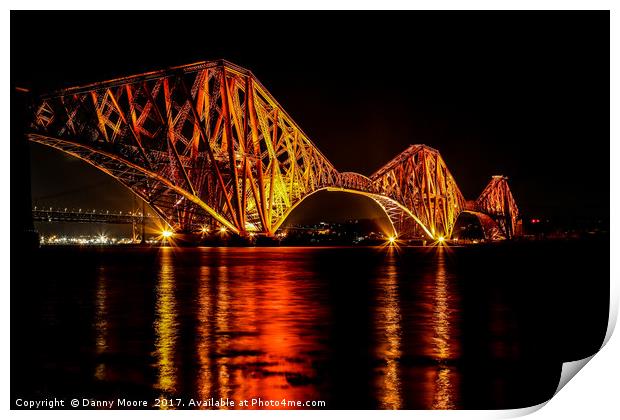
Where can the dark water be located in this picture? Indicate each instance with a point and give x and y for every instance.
(415, 328)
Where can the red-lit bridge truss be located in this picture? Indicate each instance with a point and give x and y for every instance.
(207, 144)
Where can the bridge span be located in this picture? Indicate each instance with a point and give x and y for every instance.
(206, 143)
(49, 214)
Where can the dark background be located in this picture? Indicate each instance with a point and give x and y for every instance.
(523, 94)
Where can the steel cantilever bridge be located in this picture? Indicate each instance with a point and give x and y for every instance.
(207, 144)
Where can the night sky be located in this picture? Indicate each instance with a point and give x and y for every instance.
(523, 94)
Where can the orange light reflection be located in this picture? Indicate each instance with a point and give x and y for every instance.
(445, 348)
(388, 324)
(165, 325)
(101, 323)
(254, 343)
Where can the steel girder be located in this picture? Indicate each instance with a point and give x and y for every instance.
(497, 202)
(210, 129)
(206, 143)
(419, 179)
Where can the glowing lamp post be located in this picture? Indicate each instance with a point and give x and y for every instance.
(166, 234)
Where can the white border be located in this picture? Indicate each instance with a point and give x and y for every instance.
(592, 395)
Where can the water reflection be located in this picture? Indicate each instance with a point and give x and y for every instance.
(166, 324)
(204, 327)
(222, 344)
(445, 346)
(241, 324)
(101, 322)
(356, 327)
(256, 327)
(388, 323)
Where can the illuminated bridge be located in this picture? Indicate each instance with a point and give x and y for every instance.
(207, 144)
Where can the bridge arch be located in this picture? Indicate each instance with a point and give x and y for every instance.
(490, 229)
(288, 213)
(391, 208)
(158, 192)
